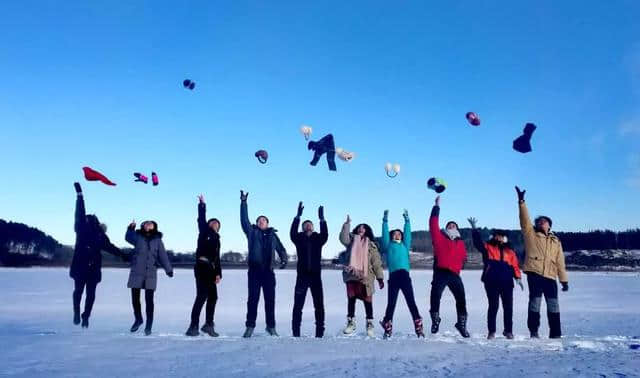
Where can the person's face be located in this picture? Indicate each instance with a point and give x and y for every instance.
(397, 235)
(307, 227)
(263, 224)
(361, 230)
(214, 225)
(148, 226)
(451, 226)
(543, 224)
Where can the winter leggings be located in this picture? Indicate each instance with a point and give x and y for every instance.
(265, 280)
(206, 291)
(79, 287)
(304, 282)
(538, 286)
(495, 292)
(400, 280)
(137, 308)
(351, 308)
(441, 279)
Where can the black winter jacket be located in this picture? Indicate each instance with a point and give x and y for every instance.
(309, 248)
(208, 243)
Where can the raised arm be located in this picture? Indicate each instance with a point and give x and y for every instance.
(385, 232)
(477, 238)
(81, 213)
(434, 227)
(324, 230)
(244, 213)
(525, 221)
(345, 233)
(407, 231)
(202, 214)
(131, 236)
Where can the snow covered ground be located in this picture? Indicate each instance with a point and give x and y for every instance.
(600, 317)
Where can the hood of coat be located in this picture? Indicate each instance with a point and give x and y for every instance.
(155, 234)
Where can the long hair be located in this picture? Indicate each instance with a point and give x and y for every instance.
(368, 232)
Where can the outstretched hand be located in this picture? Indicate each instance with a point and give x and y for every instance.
(348, 219)
(438, 201)
(243, 195)
(473, 222)
(201, 199)
(132, 224)
(385, 217)
(321, 213)
(300, 209)
(381, 283)
(78, 188)
(520, 193)
(405, 214)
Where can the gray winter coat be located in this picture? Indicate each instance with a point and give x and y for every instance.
(256, 237)
(148, 254)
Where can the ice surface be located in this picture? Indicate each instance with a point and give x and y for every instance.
(599, 316)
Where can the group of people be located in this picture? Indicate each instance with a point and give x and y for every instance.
(361, 263)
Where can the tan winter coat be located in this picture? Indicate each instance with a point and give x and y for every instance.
(544, 254)
(375, 262)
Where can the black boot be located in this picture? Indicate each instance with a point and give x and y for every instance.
(85, 321)
(272, 332)
(387, 326)
(461, 326)
(319, 332)
(435, 322)
(136, 324)
(76, 317)
(555, 331)
(248, 332)
(193, 330)
(209, 329)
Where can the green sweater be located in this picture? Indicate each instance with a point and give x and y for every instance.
(397, 254)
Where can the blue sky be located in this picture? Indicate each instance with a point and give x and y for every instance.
(99, 84)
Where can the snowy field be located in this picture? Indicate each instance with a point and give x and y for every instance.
(600, 317)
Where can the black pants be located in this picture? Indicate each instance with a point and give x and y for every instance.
(137, 308)
(400, 280)
(206, 291)
(441, 279)
(79, 288)
(304, 282)
(495, 292)
(351, 308)
(265, 280)
(538, 286)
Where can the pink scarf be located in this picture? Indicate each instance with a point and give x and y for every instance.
(359, 261)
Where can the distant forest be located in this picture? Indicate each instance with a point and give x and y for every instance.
(21, 245)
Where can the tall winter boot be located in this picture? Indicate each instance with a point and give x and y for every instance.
(209, 329)
(149, 324)
(435, 322)
(387, 326)
(193, 330)
(370, 328)
(555, 331)
(319, 332)
(76, 315)
(419, 327)
(461, 326)
(351, 327)
(85, 321)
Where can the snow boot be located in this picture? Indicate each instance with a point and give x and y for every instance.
(248, 332)
(370, 328)
(147, 328)
(319, 332)
(435, 322)
(209, 329)
(419, 327)
(387, 327)
(192, 330)
(136, 325)
(491, 336)
(351, 327)
(76, 317)
(272, 331)
(508, 335)
(296, 331)
(461, 326)
(535, 335)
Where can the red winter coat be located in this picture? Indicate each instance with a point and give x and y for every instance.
(449, 254)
